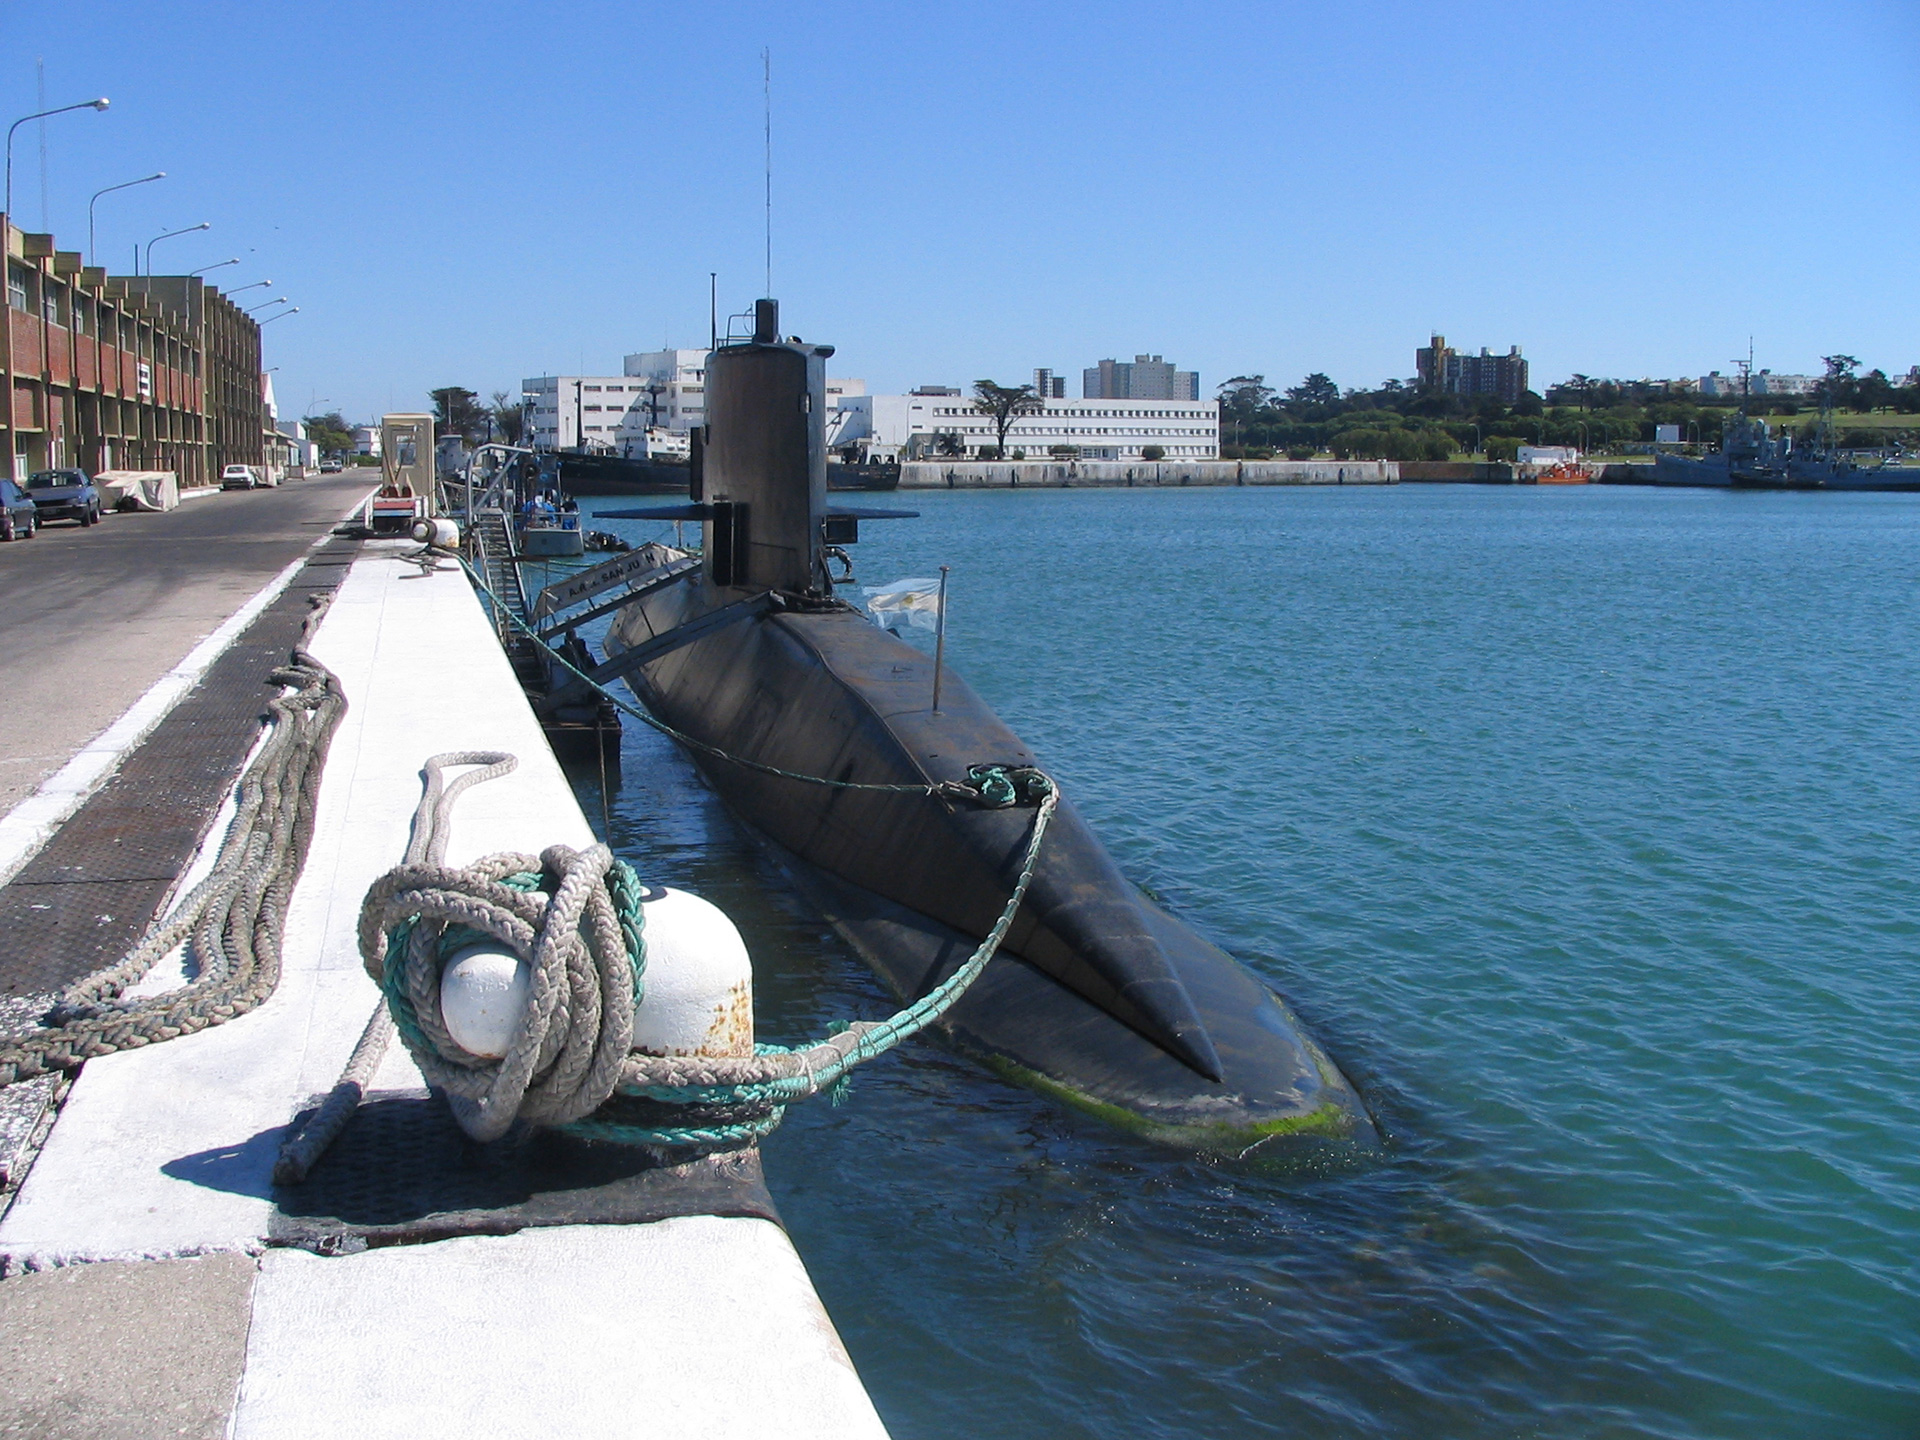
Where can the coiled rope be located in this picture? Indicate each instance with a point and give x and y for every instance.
(575, 918)
(233, 919)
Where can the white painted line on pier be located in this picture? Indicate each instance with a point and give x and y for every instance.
(31, 823)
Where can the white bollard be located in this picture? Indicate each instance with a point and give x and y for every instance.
(483, 994)
(699, 981)
(437, 531)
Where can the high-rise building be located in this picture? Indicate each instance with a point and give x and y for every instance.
(1049, 386)
(1148, 377)
(1441, 367)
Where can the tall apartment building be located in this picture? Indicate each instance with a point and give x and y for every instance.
(1441, 367)
(1049, 386)
(117, 372)
(1148, 377)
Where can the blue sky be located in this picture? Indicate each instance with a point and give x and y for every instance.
(466, 194)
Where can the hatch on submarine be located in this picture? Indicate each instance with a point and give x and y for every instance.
(1098, 997)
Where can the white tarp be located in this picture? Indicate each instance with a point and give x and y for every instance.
(915, 601)
(137, 489)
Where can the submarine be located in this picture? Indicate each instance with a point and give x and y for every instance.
(1098, 998)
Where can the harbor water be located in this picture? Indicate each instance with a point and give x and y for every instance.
(1580, 824)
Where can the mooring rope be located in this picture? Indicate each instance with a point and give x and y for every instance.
(575, 918)
(953, 789)
(234, 918)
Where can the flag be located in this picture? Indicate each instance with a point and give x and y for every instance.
(915, 601)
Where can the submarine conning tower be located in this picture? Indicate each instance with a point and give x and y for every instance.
(763, 470)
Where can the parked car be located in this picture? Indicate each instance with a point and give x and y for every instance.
(66, 494)
(330, 465)
(19, 516)
(239, 477)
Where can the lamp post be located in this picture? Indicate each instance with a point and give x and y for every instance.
(203, 225)
(278, 300)
(281, 316)
(99, 104)
(123, 185)
(254, 286)
(217, 265)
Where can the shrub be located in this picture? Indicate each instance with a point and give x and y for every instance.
(1064, 452)
(1301, 452)
(1502, 448)
(1153, 452)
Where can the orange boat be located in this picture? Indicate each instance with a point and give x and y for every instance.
(1565, 472)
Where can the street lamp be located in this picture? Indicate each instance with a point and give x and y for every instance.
(281, 316)
(218, 264)
(254, 286)
(278, 300)
(100, 104)
(123, 185)
(203, 225)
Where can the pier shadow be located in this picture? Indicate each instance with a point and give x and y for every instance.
(403, 1171)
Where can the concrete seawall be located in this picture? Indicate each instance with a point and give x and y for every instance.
(1112, 474)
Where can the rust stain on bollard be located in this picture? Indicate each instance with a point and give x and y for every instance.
(731, 1032)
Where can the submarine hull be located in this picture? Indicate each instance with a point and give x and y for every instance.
(1098, 998)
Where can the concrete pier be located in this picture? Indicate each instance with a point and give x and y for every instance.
(151, 1207)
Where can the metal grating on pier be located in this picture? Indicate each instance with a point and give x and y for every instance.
(90, 892)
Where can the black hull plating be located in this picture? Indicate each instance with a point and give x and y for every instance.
(1100, 998)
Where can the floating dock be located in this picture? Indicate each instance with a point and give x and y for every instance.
(154, 1271)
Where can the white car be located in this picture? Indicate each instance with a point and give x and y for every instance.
(239, 477)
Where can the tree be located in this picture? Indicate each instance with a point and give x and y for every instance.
(1840, 384)
(509, 418)
(459, 412)
(1315, 390)
(330, 432)
(948, 442)
(1001, 404)
(1242, 398)
(1582, 385)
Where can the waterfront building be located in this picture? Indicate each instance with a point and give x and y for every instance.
(937, 420)
(1440, 367)
(1148, 377)
(647, 412)
(592, 412)
(119, 372)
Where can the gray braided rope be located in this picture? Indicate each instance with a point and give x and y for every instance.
(565, 1056)
(233, 919)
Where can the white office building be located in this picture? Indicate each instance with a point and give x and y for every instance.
(611, 414)
(937, 420)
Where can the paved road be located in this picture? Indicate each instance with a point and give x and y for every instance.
(89, 619)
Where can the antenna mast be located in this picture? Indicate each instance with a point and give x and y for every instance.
(766, 93)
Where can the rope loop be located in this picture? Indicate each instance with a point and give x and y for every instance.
(584, 952)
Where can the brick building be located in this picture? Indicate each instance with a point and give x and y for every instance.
(123, 373)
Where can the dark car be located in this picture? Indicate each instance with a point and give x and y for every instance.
(66, 494)
(19, 517)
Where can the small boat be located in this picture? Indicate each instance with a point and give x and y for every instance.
(1564, 472)
(1099, 997)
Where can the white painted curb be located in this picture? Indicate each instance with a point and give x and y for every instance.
(31, 823)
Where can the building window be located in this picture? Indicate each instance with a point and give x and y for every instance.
(16, 287)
